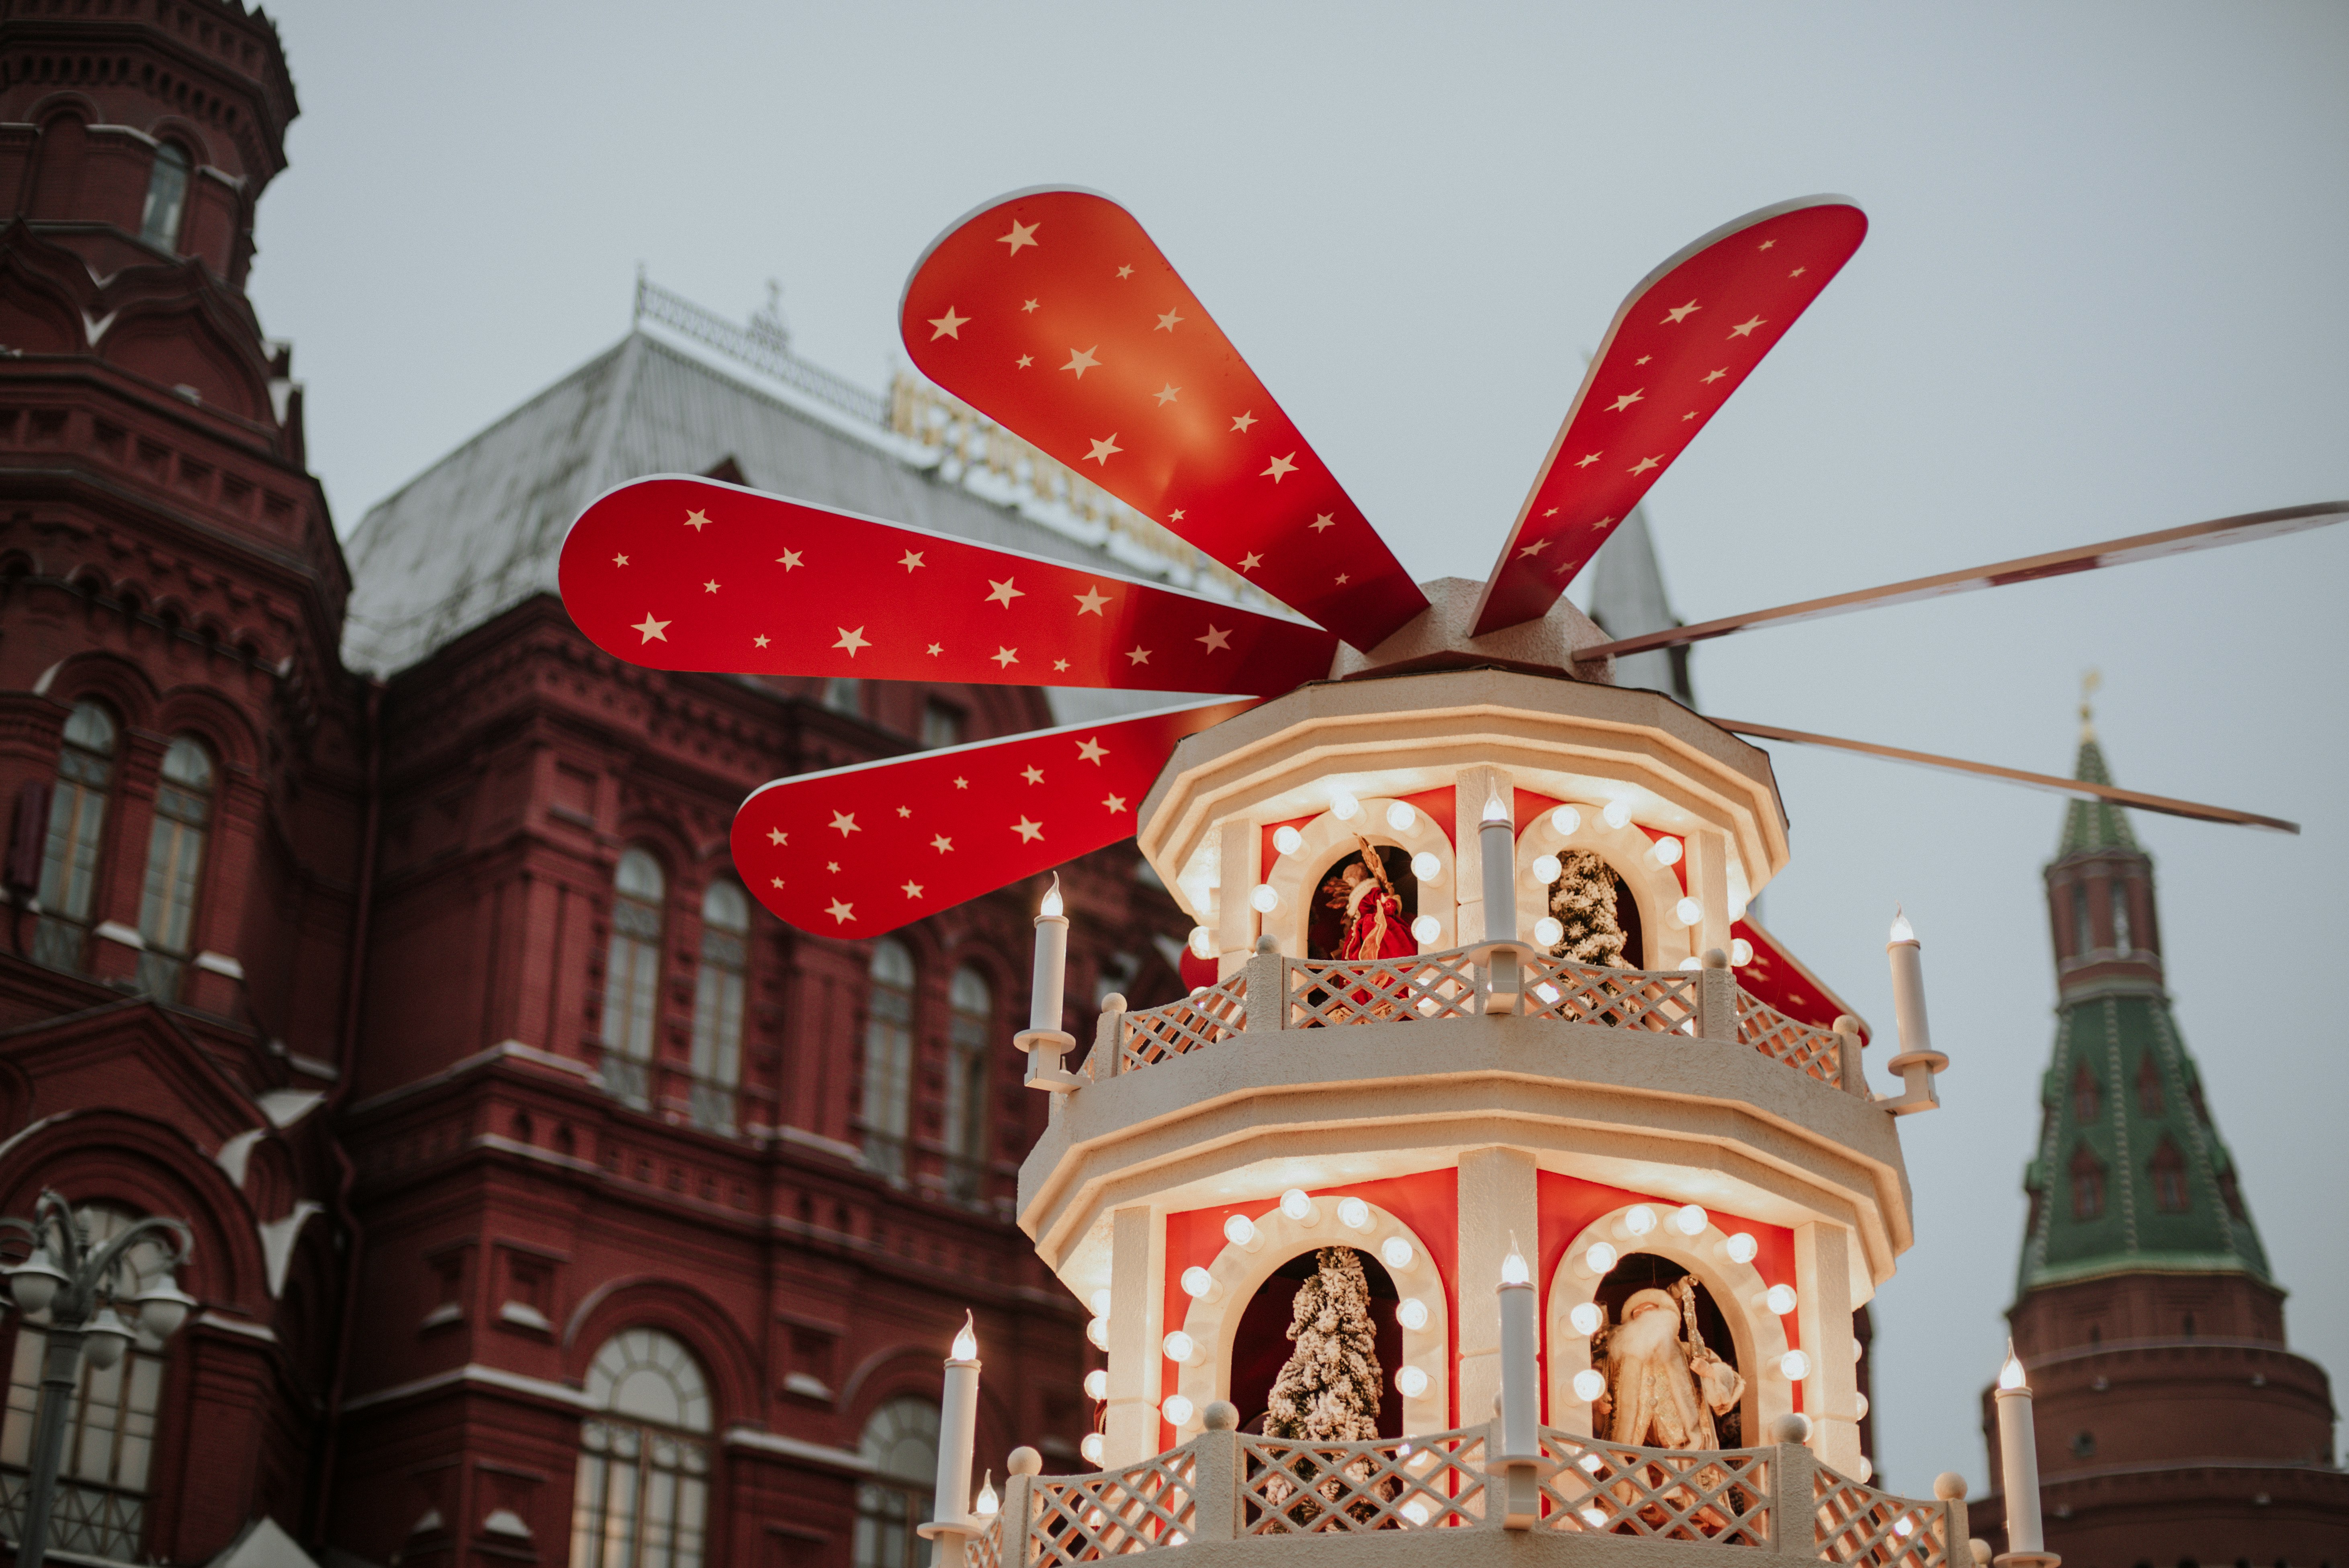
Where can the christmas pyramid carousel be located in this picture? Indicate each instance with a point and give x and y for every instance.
(1501, 1173)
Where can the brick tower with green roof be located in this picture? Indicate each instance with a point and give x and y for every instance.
(2174, 1425)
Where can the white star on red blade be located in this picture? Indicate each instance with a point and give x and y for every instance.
(1132, 337)
(1659, 378)
(849, 607)
(976, 818)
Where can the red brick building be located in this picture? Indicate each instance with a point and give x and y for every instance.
(545, 1189)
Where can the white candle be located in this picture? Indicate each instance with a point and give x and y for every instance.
(1520, 1376)
(1051, 963)
(1908, 987)
(2018, 1453)
(1497, 847)
(958, 1427)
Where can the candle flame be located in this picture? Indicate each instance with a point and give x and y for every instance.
(1494, 811)
(1052, 897)
(1513, 1267)
(2011, 1375)
(966, 1343)
(1902, 930)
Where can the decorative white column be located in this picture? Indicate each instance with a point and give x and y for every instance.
(1706, 856)
(1239, 846)
(2018, 1455)
(1823, 1309)
(1136, 1251)
(1498, 1196)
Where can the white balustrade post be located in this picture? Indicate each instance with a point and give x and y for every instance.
(1716, 997)
(1794, 1487)
(1268, 986)
(1951, 1488)
(1020, 1470)
(1216, 1482)
(1108, 1058)
(1849, 1073)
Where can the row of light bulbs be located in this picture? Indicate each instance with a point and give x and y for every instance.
(1597, 1260)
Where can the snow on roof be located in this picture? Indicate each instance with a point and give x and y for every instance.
(482, 530)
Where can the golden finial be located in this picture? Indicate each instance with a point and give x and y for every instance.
(2089, 682)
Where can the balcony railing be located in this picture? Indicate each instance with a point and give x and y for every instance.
(1275, 992)
(1778, 1501)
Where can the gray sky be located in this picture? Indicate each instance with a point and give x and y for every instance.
(2102, 294)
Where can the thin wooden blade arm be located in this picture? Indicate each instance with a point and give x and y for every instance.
(2193, 810)
(2028, 569)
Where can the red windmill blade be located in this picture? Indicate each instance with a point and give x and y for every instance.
(684, 573)
(856, 852)
(1681, 343)
(1051, 312)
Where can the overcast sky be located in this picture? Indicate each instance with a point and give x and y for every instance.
(2102, 293)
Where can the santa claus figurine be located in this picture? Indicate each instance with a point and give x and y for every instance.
(1662, 1392)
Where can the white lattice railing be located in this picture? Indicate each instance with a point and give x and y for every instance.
(1226, 1486)
(1356, 991)
(1806, 1047)
(1721, 1496)
(1202, 1018)
(1456, 982)
(1662, 1000)
(1342, 1488)
(1085, 1518)
(984, 1548)
(1858, 1525)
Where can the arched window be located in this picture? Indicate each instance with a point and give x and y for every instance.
(2087, 1184)
(643, 1495)
(2117, 891)
(2084, 938)
(888, 1057)
(77, 822)
(632, 977)
(718, 1004)
(967, 1080)
(2086, 1100)
(175, 862)
(101, 1505)
(167, 197)
(901, 1441)
(2168, 1172)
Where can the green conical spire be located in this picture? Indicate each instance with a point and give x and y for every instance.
(2131, 1174)
(2093, 824)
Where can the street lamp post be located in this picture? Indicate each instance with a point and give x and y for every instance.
(81, 1287)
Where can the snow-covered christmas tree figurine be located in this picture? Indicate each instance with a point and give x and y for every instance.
(1328, 1390)
(1583, 899)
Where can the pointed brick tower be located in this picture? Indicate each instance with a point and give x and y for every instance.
(2174, 1424)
